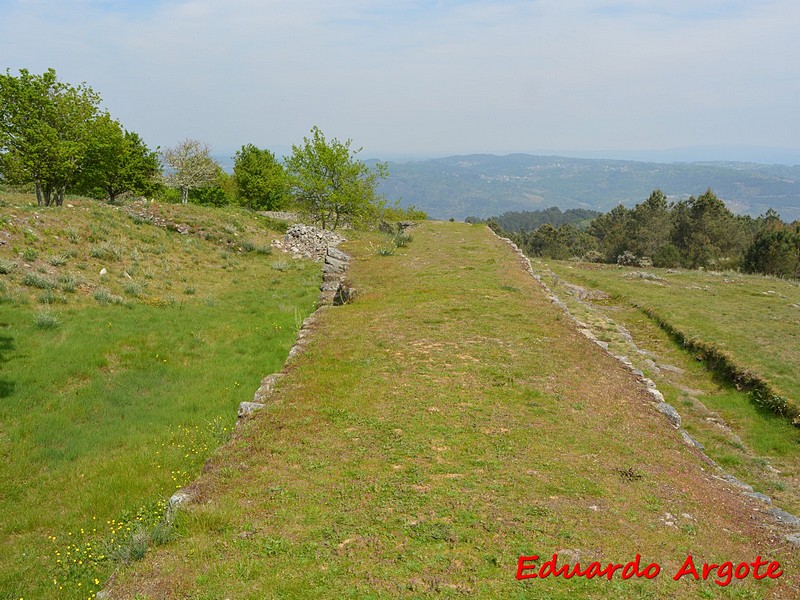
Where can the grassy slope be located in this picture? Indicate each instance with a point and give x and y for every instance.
(122, 403)
(754, 319)
(761, 447)
(447, 422)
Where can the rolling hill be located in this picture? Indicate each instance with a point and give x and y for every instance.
(482, 185)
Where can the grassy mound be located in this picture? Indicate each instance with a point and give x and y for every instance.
(125, 350)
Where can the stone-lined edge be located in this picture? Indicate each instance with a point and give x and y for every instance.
(780, 516)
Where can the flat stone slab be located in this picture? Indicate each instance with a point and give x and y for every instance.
(784, 517)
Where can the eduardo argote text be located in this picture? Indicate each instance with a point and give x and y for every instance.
(529, 567)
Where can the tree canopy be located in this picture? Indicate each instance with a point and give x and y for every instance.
(44, 131)
(261, 182)
(330, 184)
(696, 232)
(117, 161)
(190, 166)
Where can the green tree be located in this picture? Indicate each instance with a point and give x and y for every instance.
(330, 184)
(648, 228)
(775, 253)
(44, 131)
(706, 232)
(609, 230)
(117, 161)
(190, 167)
(219, 192)
(261, 182)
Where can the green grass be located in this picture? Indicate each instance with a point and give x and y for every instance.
(765, 436)
(445, 423)
(753, 319)
(107, 408)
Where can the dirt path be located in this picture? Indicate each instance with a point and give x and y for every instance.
(448, 422)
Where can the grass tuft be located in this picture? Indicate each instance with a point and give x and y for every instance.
(7, 267)
(46, 320)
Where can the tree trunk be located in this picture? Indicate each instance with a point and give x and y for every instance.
(39, 199)
(48, 194)
(184, 195)
(60, 196)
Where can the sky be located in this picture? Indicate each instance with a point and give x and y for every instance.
(411, 78)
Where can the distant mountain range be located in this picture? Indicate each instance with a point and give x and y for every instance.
(483, 185)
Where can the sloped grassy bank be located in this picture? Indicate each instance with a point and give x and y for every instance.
(120, 396)
(446, 423)
(745, 328)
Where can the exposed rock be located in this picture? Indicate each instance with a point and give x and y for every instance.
(643, 275)
(307, 241)
(248, 408)
(266, 388)
(737, 482)
(784, 517)
(344, 295)
(670, 413)
(759, 496)
(691, 441)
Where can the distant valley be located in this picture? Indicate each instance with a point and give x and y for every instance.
(483, 185)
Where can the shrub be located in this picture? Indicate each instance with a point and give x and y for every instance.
(106, 251)
(133, 289)
(7, 267)
(592, 256)
(58, 260)
(30, 255)
(37, 281)
(401, 239)
(103, 296)
(628, 259)
(67, 283)
(45, 320)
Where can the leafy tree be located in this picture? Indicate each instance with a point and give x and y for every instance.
(609, 230)
(117, 161)
(775, 253)
(219, 192)
(261, 182)
(648, 227)
(330, 184)
(705, 231)
(44, 131)
(190, 167)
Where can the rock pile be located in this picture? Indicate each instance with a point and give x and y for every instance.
(305, 241)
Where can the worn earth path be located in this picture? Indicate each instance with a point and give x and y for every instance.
(447, 422)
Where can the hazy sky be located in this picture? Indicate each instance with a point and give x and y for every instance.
(427, 77)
